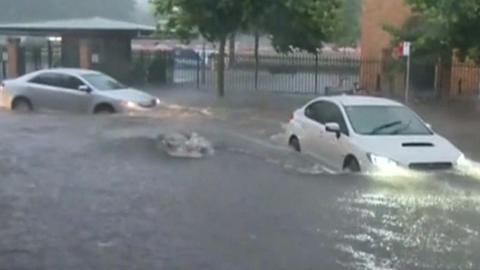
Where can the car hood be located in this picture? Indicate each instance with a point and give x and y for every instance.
(410, 149)
(128, 94)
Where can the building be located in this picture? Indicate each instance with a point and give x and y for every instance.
(90, 43)
(457, 80)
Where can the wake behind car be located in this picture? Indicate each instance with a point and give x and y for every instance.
(75, 90)
(355, 133)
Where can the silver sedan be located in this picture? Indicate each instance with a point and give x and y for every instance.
(75, 90)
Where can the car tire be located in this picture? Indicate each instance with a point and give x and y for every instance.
(294, 143)
(22, 105)
(351, 165)
(104, 109)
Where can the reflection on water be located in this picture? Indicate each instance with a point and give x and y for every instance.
(433, 223)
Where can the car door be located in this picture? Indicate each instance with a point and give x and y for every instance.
(70, 98)
(335, 148)
(43, 90)
(314, 131)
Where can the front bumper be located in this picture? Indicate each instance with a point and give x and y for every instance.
(129, 106)
(414, 166)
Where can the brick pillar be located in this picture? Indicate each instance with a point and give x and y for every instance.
(13, 45)
(375, 40)
(85, 53)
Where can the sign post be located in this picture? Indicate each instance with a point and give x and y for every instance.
(407, 53)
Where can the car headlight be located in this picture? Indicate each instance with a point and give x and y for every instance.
(157, 101)
(382, 162)
(129, 104)
(463, 161)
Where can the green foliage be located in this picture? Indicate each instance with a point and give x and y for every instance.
(138, 72)
(301, 24)
(213, 19)
(444, 26)
(291, 24)
(347, 31)
(34, 10)
(160, 68)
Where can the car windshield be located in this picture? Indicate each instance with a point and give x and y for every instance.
(385, 120)
(103, 82)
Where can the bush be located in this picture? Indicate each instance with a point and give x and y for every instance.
(138, 72)
(160, 69)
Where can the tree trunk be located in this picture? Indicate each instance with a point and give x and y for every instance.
(221, 68)
(231, 51)
(257, 59)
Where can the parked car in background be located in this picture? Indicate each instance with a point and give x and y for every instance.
(355, 133)
(75, 90)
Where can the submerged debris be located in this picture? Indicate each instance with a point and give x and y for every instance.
(185, 145)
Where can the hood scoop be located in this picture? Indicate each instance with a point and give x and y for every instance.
(417, 144)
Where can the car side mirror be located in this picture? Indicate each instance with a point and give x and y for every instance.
(85, 89)
(333, 128)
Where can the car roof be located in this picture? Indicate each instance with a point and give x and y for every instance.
(68, 71)
(347, 100)
(71, 71)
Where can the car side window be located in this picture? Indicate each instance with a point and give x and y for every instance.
(48, 79)
(333, 114)
(315, 111)
(71, 82)
(310, 111)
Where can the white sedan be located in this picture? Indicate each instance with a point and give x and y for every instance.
(354, 133)
(76, 90)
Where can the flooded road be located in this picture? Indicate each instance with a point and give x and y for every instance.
(83, 192)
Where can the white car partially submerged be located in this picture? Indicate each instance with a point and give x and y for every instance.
(356, 133)
(76, 90)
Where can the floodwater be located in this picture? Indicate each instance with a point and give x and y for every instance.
(84, 192)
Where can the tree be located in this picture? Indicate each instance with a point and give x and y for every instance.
(292, 24)
(231, 50)
(34, 10)
(301, 24)
(442, 27)
(347, 32)
(256, 16)
(215, 20)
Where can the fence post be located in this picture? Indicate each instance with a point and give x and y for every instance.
(204, 62)
(4, 63)
(49, 54)
(257, 58)
(198, 71)
(316, 72)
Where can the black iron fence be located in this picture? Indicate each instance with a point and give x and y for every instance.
(321, 74)
(302, 74)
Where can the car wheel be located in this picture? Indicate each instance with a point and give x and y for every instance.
(294, 143)
(351, 165)
(22, 105)
(104, 109)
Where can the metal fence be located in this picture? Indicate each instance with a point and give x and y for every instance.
(299, 74)
(295, 74)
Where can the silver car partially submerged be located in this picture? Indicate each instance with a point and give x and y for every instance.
(75, 90)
